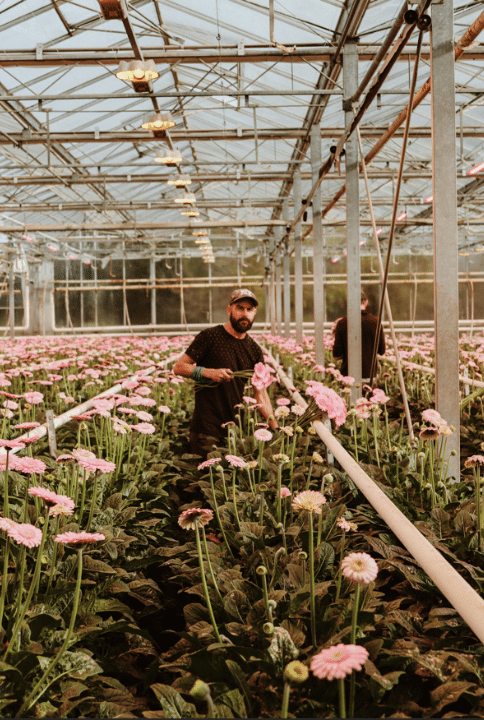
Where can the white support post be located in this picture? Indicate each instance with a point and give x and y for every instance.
(319, 263)
(153, 290)
(298, 273)
(287, 275)
(278, 263)
(446, 285)
(350, 85)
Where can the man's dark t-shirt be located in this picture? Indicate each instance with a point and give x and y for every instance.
(368, 331)
(217, 348)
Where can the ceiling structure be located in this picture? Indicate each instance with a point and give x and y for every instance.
(244, 81)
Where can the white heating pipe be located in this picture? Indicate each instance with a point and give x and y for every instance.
(458, 592)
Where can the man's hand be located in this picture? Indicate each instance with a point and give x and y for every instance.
(218, 374)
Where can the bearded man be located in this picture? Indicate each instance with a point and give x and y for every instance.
(215, 354)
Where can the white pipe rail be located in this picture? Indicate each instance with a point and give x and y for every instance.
(458, 592)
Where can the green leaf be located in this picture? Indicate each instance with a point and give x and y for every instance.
(240, 678)
(77, 665)
(10, 672)
(234, 700)
(91, 565)
(174, 706)
(448, 693)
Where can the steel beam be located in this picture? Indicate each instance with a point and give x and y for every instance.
(298, 269)
(353, 300)
(287, 276)
(278, 283)
(319, 260)
(446, 289)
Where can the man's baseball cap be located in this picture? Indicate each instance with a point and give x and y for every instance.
(243, 294)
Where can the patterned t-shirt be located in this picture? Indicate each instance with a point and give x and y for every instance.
(217, 348)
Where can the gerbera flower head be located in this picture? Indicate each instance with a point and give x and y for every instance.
(207, 463)
(80, 538)
(164, 409)
(10, 444)
(429, 433)
(51, 498)
(360, 568)
(343, 524)
(61, 509)
(5, 523)
(338, 661)
(283, 401)
(474, 461)
(281, 457)
(309, 500)
(26, 425)
(35, 397)
(281, 412)
(144, 427)
(29, 465)
(235, 461)
(194, 517)
(263, 435)
(25, 534)
(285, 492)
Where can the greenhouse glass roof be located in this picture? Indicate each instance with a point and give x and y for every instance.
(244, 82)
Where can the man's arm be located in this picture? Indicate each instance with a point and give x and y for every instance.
(185, 365)
(263, 400)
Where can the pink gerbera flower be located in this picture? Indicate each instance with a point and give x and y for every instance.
(10, 444)
(285, 492)
(208, 463)
(164, 409)
(30, 465)
(93, 464)
(82, 453)
(35, 397)
(26, 425)
(474, 461)
(25, 534)
(61, 509)
(343, 524)
(283, 401)
(360, 568)
(338, 661)
(235, 461)
(144, 428)
(191, 518)
(5, 523)
(310, 500)
(80, 538)
(263, 435)
(51, 498)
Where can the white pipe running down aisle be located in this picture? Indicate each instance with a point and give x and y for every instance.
(458, 592)
(61, 420)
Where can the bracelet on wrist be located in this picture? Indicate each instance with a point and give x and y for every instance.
(197, 373)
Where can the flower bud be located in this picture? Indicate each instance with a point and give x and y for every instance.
(268, 628)
(328, 478)
(200, 690)
(272, 604)
(296, 672)
(261, 570)
(302, 555)
(263, 487)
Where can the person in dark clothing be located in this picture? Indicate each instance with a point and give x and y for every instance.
(214, 355)
(368, 332)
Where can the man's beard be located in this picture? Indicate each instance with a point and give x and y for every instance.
(240, 326)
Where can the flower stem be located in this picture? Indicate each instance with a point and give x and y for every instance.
(278, 498)
(340, 574)
(354, 618)
(217, 515)
(285, 700)
(311, 580)
(38, 690)
(54, 556)
(4, 580)
(209, 565)
(93, 503)
(342, 704)
(204, 584)
(236, 511)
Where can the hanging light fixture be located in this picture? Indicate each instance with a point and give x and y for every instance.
(186, 199)
(190, 213)
(179, 180)
(159, 121)
(402, 216)
(168, 157)
(137, 70)
(479, 248)
(476, 169)
(429, 199)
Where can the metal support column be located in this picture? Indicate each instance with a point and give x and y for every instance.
(353, 300)
(40, 298)
(11, 296)
(287, 275)
(278, 273)
(446, 288)
(319, 263)
(272, 289)
(153, 290)
(96, 294)
(298, 273)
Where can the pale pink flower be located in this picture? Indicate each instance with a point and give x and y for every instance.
(262, 377)
(6, 523)
(362, 408)
(35, 397)
(235, 461)
(64, 458)
(310, 500)
(143, 391)
(82, 454)
(283, 401)
(285, 492)
(30, 465)
(379, 397)
(263, 435)
(474, 461)
(248, 400)
(130, 384)
(80, 538)
(12, 444)
(189, 519)
(433, 417)
(10, 404)
(144, 416)
(207, 463)
(281, 457)
(338, 661)
(328, 401)
(164, 409)
(26, 425)
(360, 568)
(51, 498)
(343, 524)
(127, 411)
(298, 410)
(103, 403)
(93, 464)
(60, 509)
(138, 400)
(25, 534)
(144, 428)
